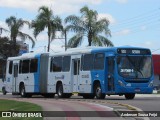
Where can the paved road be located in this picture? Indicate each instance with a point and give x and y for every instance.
(69, 108)
(144, 102)
(141, 102)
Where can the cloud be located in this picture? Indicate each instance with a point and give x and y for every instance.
(143, 27)
(89, 1)
(122, 32)
(3, 25)
(107, 16)
(122, 1)
(59, 6)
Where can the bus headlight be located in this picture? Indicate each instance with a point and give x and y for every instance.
(150, 84)
(121, 83)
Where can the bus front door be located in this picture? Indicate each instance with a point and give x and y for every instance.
(15, 78)
(75, 72)
(110, 75)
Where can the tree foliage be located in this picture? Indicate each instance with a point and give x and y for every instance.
(88, 25)
(46, 19)
(7, 49)
(15, 25)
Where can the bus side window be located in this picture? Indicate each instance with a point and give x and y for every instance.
(82, 58)
(111, 65)
(33, 65)
(20, 66)
(51, 65)
(66, 63)
(57, 64)
(88, 62)
(10, 67)
(25, 66)
(99, 61)
(15, 70)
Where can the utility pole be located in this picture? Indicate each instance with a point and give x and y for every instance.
(65, 35)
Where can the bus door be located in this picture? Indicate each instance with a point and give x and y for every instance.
(110, 74)
(75, 72)
(15, 78)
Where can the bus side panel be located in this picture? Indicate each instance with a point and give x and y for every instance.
(37, 76)
(28, 80)
(65, 78)
(99, 75)
(43, 79)
(51, 83)
(66, 82)
(8, 80)
(85, 83)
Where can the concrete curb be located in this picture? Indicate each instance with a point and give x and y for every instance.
(147, 95)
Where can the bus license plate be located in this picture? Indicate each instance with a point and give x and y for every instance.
(137, 90)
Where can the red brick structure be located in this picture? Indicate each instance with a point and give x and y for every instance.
(156, 65)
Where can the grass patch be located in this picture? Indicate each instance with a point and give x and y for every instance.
(11, 105)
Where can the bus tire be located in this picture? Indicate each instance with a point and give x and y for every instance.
(23, 91)
(130, 96)
(98, 92)
(4, 91)
(60, 91)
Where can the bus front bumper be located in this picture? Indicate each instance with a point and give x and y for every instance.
(139, 90)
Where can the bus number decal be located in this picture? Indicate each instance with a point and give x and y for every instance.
(85, 76)
(127, 70)
(59, 77)
(136, 51)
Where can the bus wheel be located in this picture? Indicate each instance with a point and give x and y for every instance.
(22, 91)
(98, 92)
(130, 96)
(60, 91)
(4, 91)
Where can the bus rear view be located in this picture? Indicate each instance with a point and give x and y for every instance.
(135, 72)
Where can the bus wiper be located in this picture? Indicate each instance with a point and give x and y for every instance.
(135, 67)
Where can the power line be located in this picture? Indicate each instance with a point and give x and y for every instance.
(136, 30)
(137, 27)
(141, 21)
(155, 50)
(140, 16)
(150, 18)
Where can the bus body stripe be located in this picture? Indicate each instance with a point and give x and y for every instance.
(36, 83)
(36, 76)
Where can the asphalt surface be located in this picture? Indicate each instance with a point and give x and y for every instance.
(110, 103)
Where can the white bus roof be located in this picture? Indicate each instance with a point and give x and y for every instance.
(69, 52)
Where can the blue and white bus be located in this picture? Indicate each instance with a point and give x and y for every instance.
(90, 72)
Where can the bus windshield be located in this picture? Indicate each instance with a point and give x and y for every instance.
(134, 66)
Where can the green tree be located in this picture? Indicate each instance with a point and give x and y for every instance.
(6, 48)
(88, 25)
(46, 19)
(15, 25)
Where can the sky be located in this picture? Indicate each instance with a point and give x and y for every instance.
(132, 22)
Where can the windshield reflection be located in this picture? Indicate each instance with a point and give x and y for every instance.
(134, 66)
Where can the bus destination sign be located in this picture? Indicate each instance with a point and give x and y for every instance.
(134, 51)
